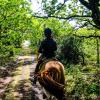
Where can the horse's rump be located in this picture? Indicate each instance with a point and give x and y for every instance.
(51, 77)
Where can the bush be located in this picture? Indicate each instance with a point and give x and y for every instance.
(71, 50)
(82, 85)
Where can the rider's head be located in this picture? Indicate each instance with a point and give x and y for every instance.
(48, 32)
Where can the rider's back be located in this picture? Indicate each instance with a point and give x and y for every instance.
(48, 48)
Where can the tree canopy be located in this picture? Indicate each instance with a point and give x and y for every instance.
(88, 11)
(15, 20)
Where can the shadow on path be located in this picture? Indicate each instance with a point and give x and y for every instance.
(21, 88)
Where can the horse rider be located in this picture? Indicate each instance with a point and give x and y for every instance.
(46, 50)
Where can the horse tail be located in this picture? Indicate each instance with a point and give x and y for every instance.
(50, 81)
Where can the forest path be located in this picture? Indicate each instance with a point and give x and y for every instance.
(21, 88)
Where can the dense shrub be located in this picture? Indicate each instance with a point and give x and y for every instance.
(71, 50)
(83, 85)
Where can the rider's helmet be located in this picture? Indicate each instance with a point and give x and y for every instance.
(47, 32)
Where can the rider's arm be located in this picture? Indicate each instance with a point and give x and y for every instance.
(41, 48)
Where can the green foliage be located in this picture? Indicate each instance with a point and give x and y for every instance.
(52, 7)
(79, 9)
(84, 49)
(59, 29)
(15, 21)
(83, 85)
(71, 50)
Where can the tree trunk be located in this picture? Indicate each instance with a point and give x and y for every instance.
(98, 53)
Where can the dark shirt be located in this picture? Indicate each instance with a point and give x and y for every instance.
(48, 48)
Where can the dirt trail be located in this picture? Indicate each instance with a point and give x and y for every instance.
(21, 88)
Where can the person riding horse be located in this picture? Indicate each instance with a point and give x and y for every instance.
(49, 71)
(47, 49)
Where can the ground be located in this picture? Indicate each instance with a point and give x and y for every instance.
(17, 86)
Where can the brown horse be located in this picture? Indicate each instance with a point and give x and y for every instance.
(51, 77)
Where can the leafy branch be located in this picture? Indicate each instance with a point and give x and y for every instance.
(90, 36)
(66, 18)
